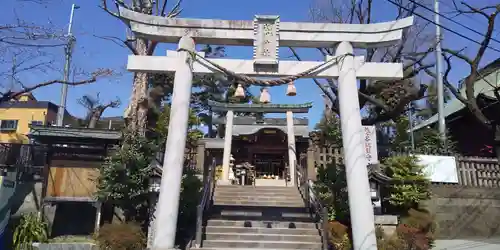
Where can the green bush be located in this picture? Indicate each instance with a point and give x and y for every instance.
(30, 229)
(189, 199)
(331, 187)
(124, 177)
(412, 185)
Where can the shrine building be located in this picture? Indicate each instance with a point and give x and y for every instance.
(271, 145)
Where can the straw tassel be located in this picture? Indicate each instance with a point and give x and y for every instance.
(265, 97)
(291, 90)
(240, 91)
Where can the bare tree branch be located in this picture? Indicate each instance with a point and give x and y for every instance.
(10, 94)
(474, 62)
(124, 44)
(95, 108)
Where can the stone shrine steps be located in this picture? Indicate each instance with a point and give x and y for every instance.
(247, 217)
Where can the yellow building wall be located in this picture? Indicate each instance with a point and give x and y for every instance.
(24, 117)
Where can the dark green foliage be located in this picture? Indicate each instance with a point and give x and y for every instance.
(413, 186)
(427, 142)
(331, 187)
(395, 135)
(30, 229)
(329, 131)
(189, 199)
(124, 178)
(193, 134)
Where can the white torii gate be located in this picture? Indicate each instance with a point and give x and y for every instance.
(266, 34)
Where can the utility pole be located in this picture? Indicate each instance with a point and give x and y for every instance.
(68, 51)
(439, 74)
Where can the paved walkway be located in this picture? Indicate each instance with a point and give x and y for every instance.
(486, 244)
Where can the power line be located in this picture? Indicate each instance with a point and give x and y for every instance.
(444, 27)
(469, 17)
(451, 20)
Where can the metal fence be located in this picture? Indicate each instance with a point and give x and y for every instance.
(13, 154)
(472, 171)
(27, 159)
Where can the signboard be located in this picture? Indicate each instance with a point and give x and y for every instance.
(439, 168)
(7, 188)
(370, 144)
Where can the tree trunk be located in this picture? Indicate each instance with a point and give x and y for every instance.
(138, 101)
(95, 117)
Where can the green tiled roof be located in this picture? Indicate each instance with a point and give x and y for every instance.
(265, 108)
(68, 132)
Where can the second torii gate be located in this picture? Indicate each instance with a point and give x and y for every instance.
(266, 34)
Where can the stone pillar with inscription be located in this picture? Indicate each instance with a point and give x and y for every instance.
(370, 140)
(266, 42)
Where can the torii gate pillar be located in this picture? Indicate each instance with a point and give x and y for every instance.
(168, 202)
(358, 187)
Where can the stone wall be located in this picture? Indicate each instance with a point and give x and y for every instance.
(466, 212)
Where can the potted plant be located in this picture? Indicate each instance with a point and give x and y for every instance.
(32, 233)
(31, 229)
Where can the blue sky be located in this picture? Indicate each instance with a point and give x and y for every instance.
(92, 52)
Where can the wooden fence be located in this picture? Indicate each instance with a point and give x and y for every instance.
(478, 171)
(472, 171)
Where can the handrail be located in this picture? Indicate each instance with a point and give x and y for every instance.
(312, 202)
(205, 202)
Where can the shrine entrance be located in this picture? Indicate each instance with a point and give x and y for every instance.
(257, 140)
(270, 166)
(266, 150)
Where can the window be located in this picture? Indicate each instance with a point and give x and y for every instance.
(37, 123)
(8, 125)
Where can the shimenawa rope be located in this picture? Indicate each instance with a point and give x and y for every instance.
(246, 80)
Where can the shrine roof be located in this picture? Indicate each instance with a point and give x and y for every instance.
(302, 131)
(249, 120)
(263, 108)
(212, 143)
(54, 135)
(376, 173)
